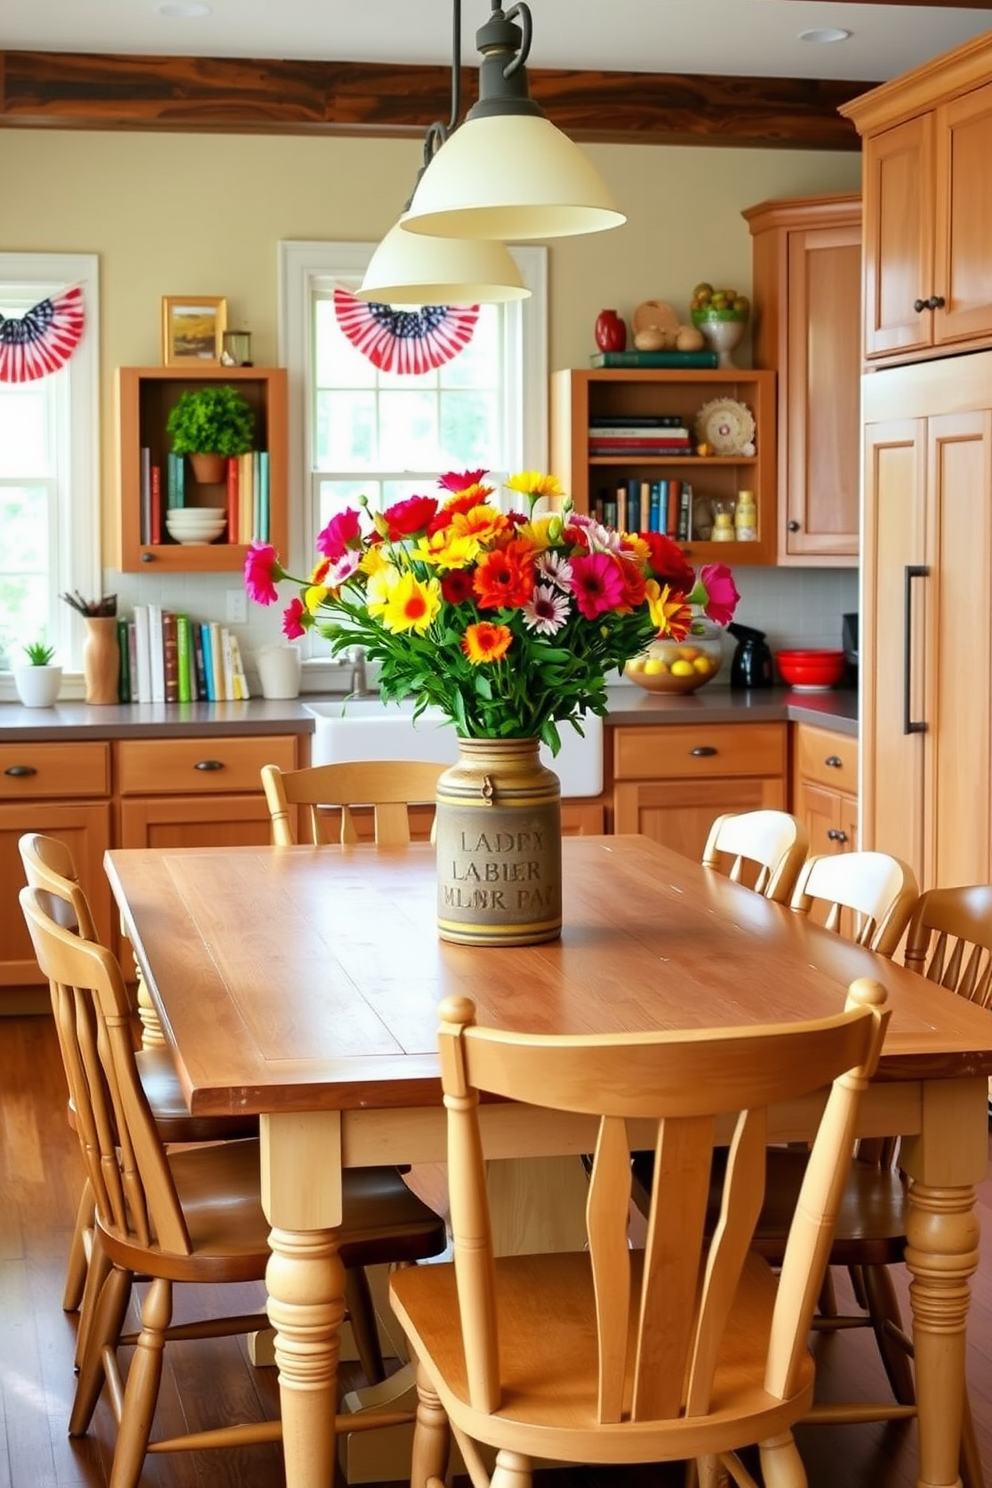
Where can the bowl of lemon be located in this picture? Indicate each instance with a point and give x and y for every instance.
(678, 666)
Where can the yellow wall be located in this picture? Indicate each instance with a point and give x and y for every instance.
(202, 214)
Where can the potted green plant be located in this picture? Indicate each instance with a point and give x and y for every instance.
(213, 422)
(39, 681)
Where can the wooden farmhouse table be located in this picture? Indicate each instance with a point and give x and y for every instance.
(303, 984)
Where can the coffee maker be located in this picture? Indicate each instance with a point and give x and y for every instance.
(752, 661)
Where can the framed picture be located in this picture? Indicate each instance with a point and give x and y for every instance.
(193, 329)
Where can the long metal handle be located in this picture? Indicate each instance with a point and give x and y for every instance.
(910, 725)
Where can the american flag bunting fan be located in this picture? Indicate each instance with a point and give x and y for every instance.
(410, 341)
(43, 339)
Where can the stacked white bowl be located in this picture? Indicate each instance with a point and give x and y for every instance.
(192, 525)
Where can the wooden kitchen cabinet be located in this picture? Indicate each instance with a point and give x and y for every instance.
(203, 792)
(62, 790)
(926, 620)
(145, 397)
(671, 780)
(927, 187)
(825, 788)
(578, 396)
(807, 327)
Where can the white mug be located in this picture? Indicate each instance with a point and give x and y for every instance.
(279, 671)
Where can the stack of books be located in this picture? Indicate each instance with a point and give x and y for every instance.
(168, 658)
(635, 436)
(648, 506)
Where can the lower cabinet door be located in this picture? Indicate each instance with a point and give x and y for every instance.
(195, 821)
(679, 813)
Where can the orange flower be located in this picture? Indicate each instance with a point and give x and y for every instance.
(504, 579)
(486, 642)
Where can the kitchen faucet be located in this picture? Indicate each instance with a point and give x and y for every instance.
(359, 675)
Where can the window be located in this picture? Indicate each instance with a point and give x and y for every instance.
(49, 468)
(356, 430)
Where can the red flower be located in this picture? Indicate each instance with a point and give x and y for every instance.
(668, 562)
(406, 518)
(262, 573)
(721, 591)
(597, 583)
(340, 533)
(456, 480)
(456, 586)
(633, 585)
(292, 617)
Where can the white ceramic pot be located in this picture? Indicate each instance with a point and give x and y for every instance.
(279, 671)
(38, 686)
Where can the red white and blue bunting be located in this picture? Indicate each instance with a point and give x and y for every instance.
(43, 339)
(410, 341)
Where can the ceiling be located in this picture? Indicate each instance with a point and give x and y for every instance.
(746, 38)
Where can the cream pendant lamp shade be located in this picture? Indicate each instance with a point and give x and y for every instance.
(506, 173)
(413, 269)
(511, 177)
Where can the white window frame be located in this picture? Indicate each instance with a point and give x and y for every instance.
(306, 266)
(76, 541)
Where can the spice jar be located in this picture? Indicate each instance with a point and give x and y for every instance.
(723, 522)
(746, 517)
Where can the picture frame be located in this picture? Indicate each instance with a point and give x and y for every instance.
(193, 329)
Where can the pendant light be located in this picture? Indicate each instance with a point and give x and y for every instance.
(418, 269)
(507, 173)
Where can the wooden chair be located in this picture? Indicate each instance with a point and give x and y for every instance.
(879, 890)
(173, 1215)
(390, 787)
(687, 1349)
(767, 849)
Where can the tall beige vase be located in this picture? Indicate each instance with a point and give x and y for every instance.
(498, 839)
(101, 659)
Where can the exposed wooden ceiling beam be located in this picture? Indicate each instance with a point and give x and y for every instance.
(67, 90)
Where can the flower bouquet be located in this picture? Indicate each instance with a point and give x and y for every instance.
(508, 622)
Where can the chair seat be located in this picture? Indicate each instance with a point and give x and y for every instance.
(871, 1219)
(219, 1188)
(551, 1361)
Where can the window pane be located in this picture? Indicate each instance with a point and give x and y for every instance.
(25, 446)
(24, 562)
(345, 427)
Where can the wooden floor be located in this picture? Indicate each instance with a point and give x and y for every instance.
(40, 1175)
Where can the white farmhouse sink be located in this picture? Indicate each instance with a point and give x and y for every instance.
(368, 728)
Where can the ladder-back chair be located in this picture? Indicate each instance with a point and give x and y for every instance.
(389, 787)
(766, 850)
(880, 891)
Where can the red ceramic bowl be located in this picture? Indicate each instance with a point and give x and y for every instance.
(811, 671)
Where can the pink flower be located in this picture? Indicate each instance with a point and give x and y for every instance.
(597, 583)
(460, 480)
(721, 592)
(262, 573)
(340, 532)
(292, 615)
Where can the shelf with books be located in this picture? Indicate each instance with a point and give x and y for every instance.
(168, 657)
(252, 492)
(591, 407)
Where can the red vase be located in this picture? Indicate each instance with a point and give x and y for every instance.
(611, 331)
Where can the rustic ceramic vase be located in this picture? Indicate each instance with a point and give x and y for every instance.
(101, 659)
(498, 836)
(611, 331)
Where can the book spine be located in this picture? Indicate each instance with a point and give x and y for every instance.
(183, 660)
(655, 523)
(654, 359)
(156, 504)
(143, 666)
(170, 656)
(156, 654)
(124, 673)
(256, 495)
(199, 663)
(638, 421)
(227, 665)
(208, 663)
(217, 663)
(608, 446)
(263, 500)
(644, 515)
(240, 680)
(685, 514)
(246, 496)
(145, 515)
(673, 507)
(233, 529)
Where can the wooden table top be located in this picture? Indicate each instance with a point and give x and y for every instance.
(303, 978)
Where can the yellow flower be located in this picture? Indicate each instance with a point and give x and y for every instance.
(380, 586)
(411, 604)
(314, 597)
(486, 642)
(541, 531)
(669, 612)
(449, 549)
(533, 483)
(373, 559)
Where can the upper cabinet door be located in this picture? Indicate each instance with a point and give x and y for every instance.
(898, 238)
(963, 201)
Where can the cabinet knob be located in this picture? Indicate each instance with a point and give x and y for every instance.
(836, 835)
(209, 764)
(834, 761)
(148, 557)
(920, 305)
(702, 751)
(793, 525)
(937, 302)
(19, 771)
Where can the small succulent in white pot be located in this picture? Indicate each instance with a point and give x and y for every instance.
(39, 681)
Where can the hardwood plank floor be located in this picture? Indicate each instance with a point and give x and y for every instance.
(40, 1181)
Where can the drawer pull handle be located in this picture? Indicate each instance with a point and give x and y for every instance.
(836, 835)
(18, 771)
(209, 765)
(703, 751)
(834, 762)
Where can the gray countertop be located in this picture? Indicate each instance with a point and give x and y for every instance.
(627, 705)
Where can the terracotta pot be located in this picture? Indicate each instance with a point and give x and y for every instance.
(101, 660)
(498, 836)
(210, 470)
